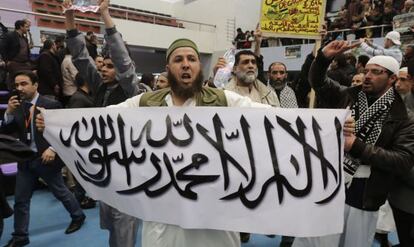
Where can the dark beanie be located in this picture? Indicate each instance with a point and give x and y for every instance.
(181, 43)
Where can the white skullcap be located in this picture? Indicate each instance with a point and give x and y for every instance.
(394, 36)
(387, 62)
(404, 69)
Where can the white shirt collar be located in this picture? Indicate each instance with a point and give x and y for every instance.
(188, 102)
(35, 98)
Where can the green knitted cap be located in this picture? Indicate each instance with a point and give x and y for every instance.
(181, 43)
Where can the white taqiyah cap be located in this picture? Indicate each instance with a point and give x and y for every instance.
(387, 62)
(404, 69)
(394, 36)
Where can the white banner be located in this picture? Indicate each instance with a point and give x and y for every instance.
(84, 6)
(268, 171)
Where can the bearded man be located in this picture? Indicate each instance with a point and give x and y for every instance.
(278, 74)
(245, 80)
(185, 77)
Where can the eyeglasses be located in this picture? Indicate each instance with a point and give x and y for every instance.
(274, 72)
(375, 71)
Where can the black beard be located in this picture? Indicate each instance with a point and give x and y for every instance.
(277, 84)
(183, 92)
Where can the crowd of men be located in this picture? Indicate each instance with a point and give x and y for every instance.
(356, 15)
(379, 141)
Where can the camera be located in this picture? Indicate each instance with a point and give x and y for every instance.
(15, 92)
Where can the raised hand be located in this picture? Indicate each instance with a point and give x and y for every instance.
(103, 5)
(258, 34)
(106, 17)
(221, 63)
(323, 31)
(67, 4)
(334, 48)
(12, 104)
(69, 14)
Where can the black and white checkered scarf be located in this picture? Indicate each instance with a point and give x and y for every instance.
(288, 98)
(369, 120)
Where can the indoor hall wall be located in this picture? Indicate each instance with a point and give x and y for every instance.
(9, 18)
(249, 14)
(217, 12)
(214, 12)
(149, 5)
(159, 36)
(154, 62)
(149, 42)
(272, 54)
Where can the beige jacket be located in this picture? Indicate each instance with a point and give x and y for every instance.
(266, 95)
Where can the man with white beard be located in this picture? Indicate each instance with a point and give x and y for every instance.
(245, 80)
(245, 83)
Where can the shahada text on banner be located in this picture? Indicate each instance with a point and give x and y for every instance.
(268, 171)
(292, 18)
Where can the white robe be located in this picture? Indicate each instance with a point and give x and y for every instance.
(164, 235)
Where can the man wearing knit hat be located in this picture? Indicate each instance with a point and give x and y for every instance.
(185, 78)
(382, 148)
(391, 46)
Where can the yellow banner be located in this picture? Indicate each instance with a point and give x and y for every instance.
(292, 18)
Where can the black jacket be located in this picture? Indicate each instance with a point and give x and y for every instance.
(11, 150)
(12, 46)
(49, 72)
(80, 99)
(393, 154)
(18, 125)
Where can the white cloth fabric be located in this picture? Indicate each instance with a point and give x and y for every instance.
(386, 221)
(123, 228)
(252, 93)
(363, 171)
(165, 235)
(375, 50)
(326, 241)
(359, 231)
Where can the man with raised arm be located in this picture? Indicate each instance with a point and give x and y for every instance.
(391, 46)
(381, 149)
(116, 82)
(185, 78)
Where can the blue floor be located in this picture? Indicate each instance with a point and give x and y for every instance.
(49, 221)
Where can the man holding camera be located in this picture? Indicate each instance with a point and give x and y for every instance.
(19, 119)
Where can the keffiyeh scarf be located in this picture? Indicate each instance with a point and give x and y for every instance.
(369, 121)
(288, 98)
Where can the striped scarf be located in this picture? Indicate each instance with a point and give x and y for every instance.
(369, 121)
